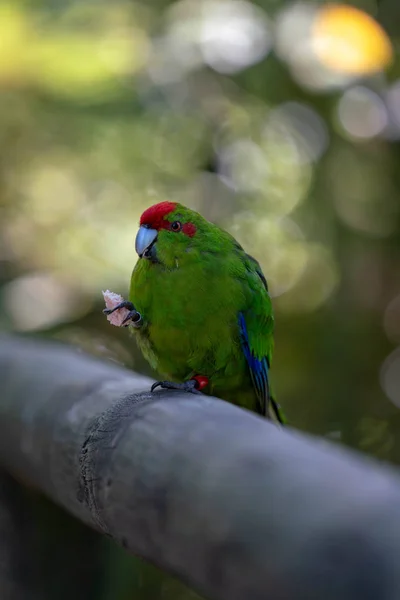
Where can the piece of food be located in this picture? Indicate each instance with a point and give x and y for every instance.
(111, 300)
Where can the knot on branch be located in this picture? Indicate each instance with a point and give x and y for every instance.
(102, 438)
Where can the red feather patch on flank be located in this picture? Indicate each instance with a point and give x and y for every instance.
(202, 381)
(154, 215)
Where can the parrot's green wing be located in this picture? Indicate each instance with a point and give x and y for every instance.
(256, 326)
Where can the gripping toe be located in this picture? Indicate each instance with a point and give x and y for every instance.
(187, 386)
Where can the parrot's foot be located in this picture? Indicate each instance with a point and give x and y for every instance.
(133, 316)
(193, 386)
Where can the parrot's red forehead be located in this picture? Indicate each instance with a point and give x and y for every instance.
(154, 217)
(155, 214)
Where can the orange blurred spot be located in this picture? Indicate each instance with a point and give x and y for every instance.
(348, 40)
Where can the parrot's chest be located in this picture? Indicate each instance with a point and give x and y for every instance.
(190, 325)
(189, 338)
(179, 352)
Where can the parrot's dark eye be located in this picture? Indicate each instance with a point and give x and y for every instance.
(176, 226)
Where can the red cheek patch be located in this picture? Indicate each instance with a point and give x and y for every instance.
(189, 229)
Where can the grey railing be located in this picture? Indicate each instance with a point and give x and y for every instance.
(233, 505)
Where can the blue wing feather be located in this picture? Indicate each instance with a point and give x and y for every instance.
(258, 367)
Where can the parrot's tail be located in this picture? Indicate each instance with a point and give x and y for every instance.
(276, 412)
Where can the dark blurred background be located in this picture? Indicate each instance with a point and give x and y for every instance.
(278, 120)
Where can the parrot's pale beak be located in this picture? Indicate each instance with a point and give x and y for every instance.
(145, 239)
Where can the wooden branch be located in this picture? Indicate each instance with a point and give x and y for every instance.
(227, 501)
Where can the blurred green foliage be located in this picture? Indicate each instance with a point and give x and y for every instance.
(228, 107)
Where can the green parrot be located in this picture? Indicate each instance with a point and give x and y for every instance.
(200, 309)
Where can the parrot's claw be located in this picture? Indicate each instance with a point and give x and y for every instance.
(133, 316)
(188, 386)
(124, 304)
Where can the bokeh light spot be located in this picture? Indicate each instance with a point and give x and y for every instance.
(362, 113)
(234, 35)
(348, 40)
(306, 127)
(39, 300)
(328, 46)
(319, 280)
(278, 245)
(390, 377)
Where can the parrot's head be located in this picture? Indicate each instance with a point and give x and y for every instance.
(169, 233)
